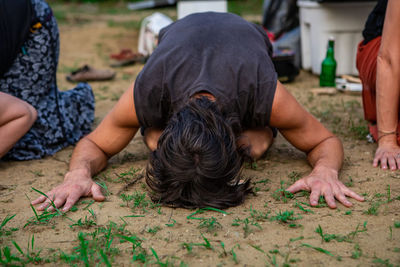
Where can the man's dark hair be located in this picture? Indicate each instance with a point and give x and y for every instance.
(197, 163)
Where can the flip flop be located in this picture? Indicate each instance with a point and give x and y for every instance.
(87, 73)
(127, 57)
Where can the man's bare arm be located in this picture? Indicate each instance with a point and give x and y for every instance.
(92, 153)
(324, 150)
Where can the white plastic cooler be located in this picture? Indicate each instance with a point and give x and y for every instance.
(344, 21)
(186, 7)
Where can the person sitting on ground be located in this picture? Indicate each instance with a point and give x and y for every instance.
(16, 118)
(36, 119)
(207, 97)
(378, 62)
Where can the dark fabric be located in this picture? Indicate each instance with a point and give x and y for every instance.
(374, 24)
(280, 16)
(366, 64)
(63, 116)
(219, 53)
(16, 17)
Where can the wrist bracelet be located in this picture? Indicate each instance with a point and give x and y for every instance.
(386, 134)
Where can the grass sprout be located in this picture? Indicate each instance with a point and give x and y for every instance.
(247, 223)
(86, 223)
(171, 224)
(202, 210)
(32, 255)
(96, 247)
(286, 217)
(211, 224)
(206, 244)
(357, 253)
(281, 194)
(298, 205)
(318, 249)
(328, 237)
(6, 232)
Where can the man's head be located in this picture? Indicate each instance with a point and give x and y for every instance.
(197, 163)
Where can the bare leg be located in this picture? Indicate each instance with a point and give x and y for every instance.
(151, 136)
(16, 118)
(258, 139)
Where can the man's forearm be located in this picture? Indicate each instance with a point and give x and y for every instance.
(328, 153)
(88, 157)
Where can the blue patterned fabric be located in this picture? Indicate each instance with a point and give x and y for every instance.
(63, 117)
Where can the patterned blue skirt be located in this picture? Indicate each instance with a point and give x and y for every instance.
(63, 117)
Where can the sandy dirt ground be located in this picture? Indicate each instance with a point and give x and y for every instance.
(267, 230)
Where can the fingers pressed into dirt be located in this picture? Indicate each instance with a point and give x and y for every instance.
(392, 163)
(71, 200)
(44, 205)
(314, 196)
(383, 161)
(58, 202)
(47, 201)
(297, 186)
(343, 199)
(38, 200)
(352, 194)
(375, 162)
(330, 199)
(96, 193)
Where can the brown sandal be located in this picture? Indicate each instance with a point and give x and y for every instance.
(126, 57)
(87, 73)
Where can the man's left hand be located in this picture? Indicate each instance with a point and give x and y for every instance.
(324, 181)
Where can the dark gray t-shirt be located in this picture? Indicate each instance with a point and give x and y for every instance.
(219, 53)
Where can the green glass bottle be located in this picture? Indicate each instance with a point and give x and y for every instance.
(328, 67)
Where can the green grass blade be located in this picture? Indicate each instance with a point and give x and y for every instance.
(318, 249)
(83, 249)
(234, 256)
(17, 247)
(34, 211)
(155, 254)
(132, 239)
(89, 204)
(257, 248)
(51, 201)
(105, 258)
(203, 210)
(6, 220)
(33, 242)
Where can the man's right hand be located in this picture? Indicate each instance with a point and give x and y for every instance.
(91, 154)
(77, 184)
(387, 154)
